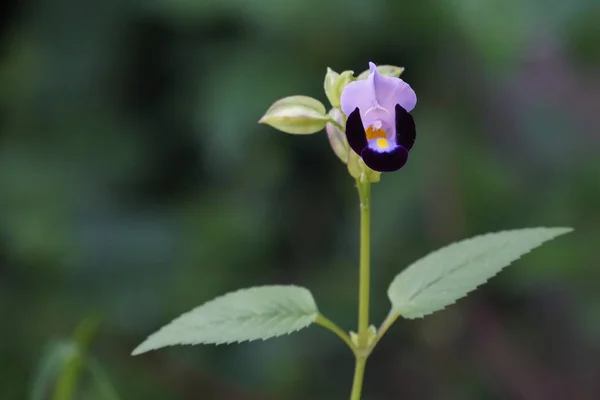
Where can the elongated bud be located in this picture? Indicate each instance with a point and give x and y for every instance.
(330, 78)
(335, 83)
(354, 167)
(300, 115)
(337, 137)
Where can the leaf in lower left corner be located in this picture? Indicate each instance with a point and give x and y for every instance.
(248, 314)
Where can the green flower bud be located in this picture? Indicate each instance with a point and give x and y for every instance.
(335, 83)
(354, 167)
(330, 78)
(385, 70)
(337, 137)
(369, 175)
(371, 335)
(359, 170)
(296, 115)
(372, 332)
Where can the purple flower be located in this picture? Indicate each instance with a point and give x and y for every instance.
(379, 127)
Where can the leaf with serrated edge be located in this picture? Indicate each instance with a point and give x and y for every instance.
(249, 314)
(444, 276)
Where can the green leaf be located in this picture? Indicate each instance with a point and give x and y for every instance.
(60, 368)
(56, 356)
(297, 115)
(69, 378)
(100, 378)
(446, 275)
(385, 70)
(248, 314)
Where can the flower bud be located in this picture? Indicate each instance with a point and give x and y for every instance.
(369, 175)
(335, 83)
(385, 70)
(371, 336)
(354, 167)
(337, 137)
(359, 170)
(330, 78)
(296, 115)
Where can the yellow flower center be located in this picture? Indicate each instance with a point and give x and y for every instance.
(382, 143)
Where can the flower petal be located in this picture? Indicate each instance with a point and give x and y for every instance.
(385, 162)
(355, 131)
(359, 94)
(390, 91)
(405, 128)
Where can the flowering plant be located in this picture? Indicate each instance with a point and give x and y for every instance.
(370, 128)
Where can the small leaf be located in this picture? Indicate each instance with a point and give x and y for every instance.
(249, 314)
(297, 115)
(337, 138)
(385, 70)
(446, 275)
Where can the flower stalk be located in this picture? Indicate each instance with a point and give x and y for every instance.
(363, 346)
(359, 373)
(364, 192)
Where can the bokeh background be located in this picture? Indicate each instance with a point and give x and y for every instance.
(135, 184)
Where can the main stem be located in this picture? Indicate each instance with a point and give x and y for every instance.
(364, 192)
(359, 373)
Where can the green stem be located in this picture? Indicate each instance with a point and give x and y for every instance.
(389, 321)
(337, 124)
(326, 323)
(362, 352)
(364, 190)
(359, 373)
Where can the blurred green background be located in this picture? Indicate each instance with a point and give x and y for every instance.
(135, 184)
